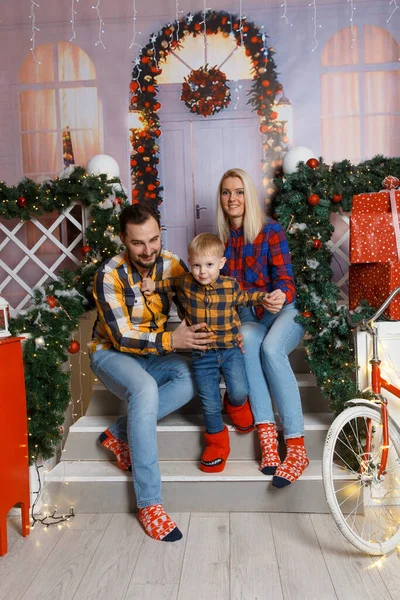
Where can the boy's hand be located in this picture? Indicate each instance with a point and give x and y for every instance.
(274, 301)
(148, 286)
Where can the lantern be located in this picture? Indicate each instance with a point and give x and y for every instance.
(284, 109)
(4, 316)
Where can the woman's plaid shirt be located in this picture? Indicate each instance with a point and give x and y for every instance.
(214, 304)
(265, 264)
(126, 319)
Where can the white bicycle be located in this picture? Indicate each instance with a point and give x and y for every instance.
(361, 462)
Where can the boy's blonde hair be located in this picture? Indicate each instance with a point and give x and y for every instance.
(208, 244)
(254, 217)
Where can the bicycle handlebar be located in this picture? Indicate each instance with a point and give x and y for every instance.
(367, 322)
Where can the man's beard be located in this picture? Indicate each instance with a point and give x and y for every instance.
(149, 264)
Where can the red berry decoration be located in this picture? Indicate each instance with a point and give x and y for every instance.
(317, 244)
(74, 347)
(21, 201)
(306, 314)
(336, 198)
(313, 199)
(51, 301)
(85, 249)
(313, 163)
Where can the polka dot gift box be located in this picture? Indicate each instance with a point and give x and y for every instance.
(374, 283)
(374, 225)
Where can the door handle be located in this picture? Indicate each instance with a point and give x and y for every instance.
(198, 209)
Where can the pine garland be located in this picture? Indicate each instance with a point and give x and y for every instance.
(56, 309)
(309, 230)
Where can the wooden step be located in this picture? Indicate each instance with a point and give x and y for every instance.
(180, 437)
(100, 486)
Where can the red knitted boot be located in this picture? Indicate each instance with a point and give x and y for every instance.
(241, 416)
(294, 464)
(270, 459)
(216, 453)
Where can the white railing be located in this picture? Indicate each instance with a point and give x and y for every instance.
(31, 253)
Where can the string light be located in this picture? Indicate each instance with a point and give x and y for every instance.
(73, 13)
(205, 9)
(284, 16)
(395, 7)
(316, 26)
(32, 16)
(134, 32)
(352, 9)
(240, 21)
(177, 13)
(101, 25)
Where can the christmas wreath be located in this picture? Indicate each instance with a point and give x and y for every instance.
(205, 91)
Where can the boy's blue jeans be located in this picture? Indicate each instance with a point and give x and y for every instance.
(207, 368)
(153, 386)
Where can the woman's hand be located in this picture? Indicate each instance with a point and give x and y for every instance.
(148, 286)
(274, 301)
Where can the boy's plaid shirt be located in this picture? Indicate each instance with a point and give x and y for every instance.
(126, 319)
(214, 304)
(264, 264)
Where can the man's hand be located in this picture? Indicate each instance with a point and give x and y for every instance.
(148, 286)
(187, 338)
(274, 301)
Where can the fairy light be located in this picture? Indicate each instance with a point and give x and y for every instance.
(178, 12)
(134, 31)
(205, 9)
(315, 23)
(352, 9)
(240, 21)
(101, 25)
(73, 13)
(395, 7)
(284, 15)
(32, 16)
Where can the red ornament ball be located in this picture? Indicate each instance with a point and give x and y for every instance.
(85, 249)
(313, 163)
(74, 347)
(51, 301)
(317, 244)
(336, 198)
(306, 314)
(21, 201)
(313, 199)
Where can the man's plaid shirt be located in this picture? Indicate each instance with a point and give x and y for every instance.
(214, 304)
(264, 264)
(126, 319)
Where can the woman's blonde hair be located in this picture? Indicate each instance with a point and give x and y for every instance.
(254, 217)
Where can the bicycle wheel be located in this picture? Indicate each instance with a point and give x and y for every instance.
(365, 509)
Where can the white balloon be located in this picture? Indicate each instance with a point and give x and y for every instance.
(294, 156)
(102, 163)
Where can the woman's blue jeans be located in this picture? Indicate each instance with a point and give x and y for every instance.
(268, 343)
(207, 368)
(153, 387)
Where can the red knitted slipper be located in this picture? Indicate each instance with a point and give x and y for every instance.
(120, 449)
(270, 459)
(158, 525)
(217, 450)
(241, 416)
(294, 464)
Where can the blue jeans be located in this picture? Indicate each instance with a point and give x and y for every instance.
(153, 386)
(207, 367)
(267, 344)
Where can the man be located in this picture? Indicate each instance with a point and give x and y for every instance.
(133, 355)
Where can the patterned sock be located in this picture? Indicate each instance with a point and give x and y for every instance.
(294, 464)
(270, 459)
(120, 449)
(158, 525)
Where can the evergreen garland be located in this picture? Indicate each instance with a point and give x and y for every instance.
(56, 309)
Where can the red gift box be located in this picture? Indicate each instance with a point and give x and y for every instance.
(374, 283)
(372, 233)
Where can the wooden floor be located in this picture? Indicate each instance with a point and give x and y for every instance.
(223, 556)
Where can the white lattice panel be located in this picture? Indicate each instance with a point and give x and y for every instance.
(339, 245)
(32, 252)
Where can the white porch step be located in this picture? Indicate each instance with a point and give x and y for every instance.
(100, 486)
(180, 437)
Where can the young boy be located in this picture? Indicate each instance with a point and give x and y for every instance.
(207, 297)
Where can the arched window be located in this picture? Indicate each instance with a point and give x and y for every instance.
(360, 103)
(59, 110)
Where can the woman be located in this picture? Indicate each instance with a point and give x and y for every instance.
(258, 256)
